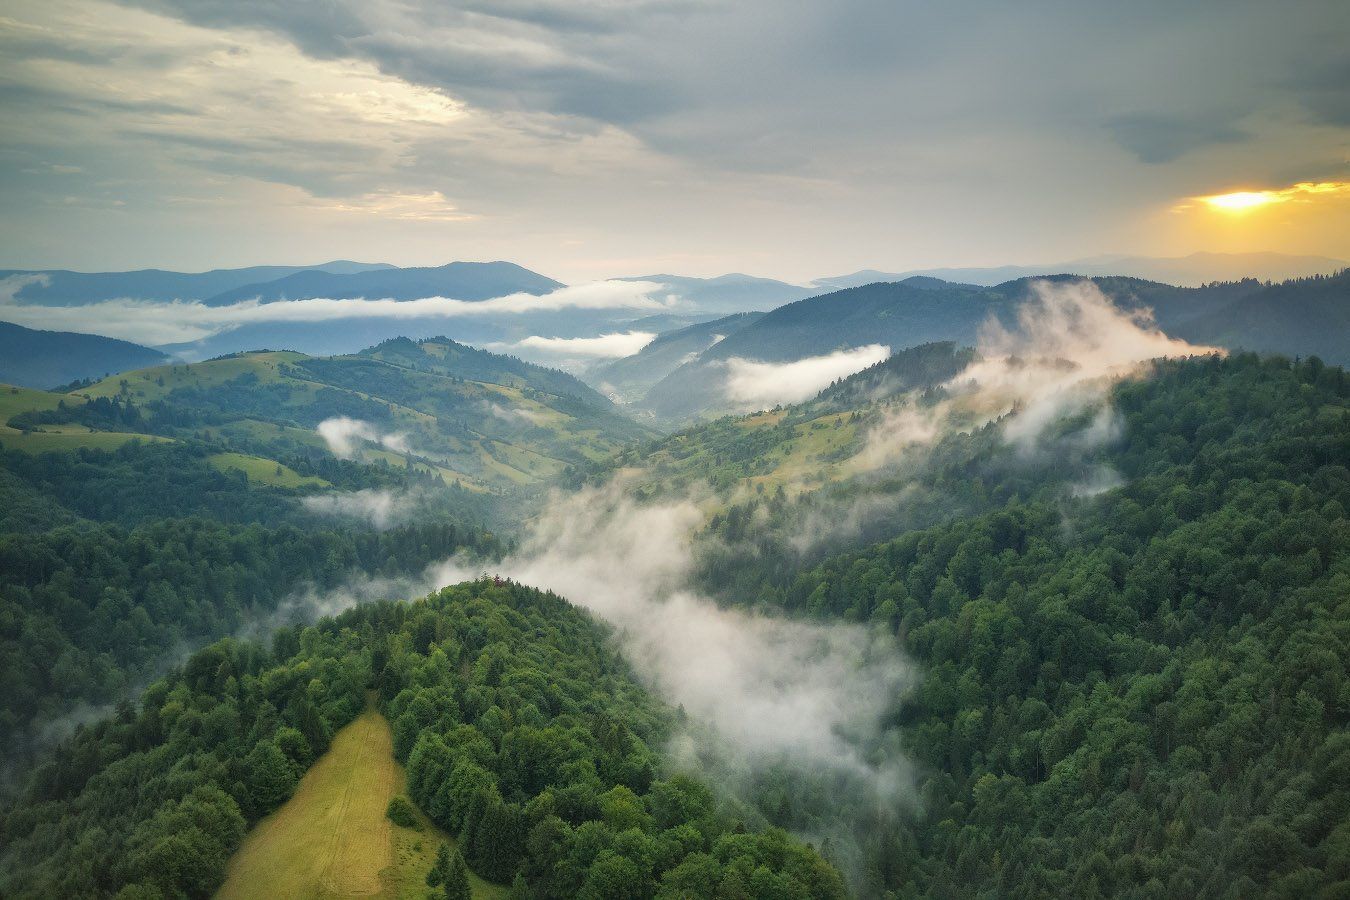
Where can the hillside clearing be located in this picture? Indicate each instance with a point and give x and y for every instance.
(264, 471)
(332, 838)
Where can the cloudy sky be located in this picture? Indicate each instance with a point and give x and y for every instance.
(592, 138)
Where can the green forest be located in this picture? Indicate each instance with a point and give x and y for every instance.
(1138, 690)
(524, 733)
(1140, 694)
(674, 450)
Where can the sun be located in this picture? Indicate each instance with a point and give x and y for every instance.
(1241, 201)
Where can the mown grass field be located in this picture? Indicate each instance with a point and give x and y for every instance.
(53, 439)
(264, 471)
(15, 400)
(332, 838)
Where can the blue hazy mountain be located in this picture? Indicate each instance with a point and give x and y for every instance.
(729, 293)
(60, 287)
(45, 359)
(1187, 271)
(459, 280)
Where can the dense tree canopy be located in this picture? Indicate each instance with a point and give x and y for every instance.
(1135, 687)
(523, 731)
(113, 562)
(1143, 693)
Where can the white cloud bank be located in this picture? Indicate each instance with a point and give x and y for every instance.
(1069, 346)
(344, 436)
(756, 385)
(605, 346)
(380, 508)
(156, 323)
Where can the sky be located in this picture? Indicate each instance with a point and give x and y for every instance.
(596, 138)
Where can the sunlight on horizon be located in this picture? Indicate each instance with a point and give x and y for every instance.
(1243, 201)
(1240, 201)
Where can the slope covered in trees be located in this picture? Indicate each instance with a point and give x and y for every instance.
(522, 729)
(45, 359)
(1143, 693)
(462, 414)
(114, 563)
(631, 377)
(793, 448)
(1304, 316)
(89, 612)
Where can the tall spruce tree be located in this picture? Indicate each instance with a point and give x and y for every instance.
(457, 879)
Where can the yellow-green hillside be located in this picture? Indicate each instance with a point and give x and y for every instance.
(332, 838)
(484, 420)
(40, 439)
(264, 471)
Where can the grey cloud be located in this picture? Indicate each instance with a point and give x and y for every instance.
(784, 136)
(745, 77)
(1155, 138)
(1324, 89)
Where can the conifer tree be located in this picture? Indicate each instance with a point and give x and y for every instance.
(441, 867)
(457, 879)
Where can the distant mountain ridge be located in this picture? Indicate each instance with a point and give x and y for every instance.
(631, 377)
(1192, 270)
(46, 359)
(457, 280)
(61, 287)
(730, 293)
(1298, 317)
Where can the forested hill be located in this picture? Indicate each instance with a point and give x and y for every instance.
(465, 415)
(1304, 317)
(46, 359)
(1299, 317)
(630, 377)
(1140, 691)
(521, 730)
(115, 563)
(442, 356)
(793, 449)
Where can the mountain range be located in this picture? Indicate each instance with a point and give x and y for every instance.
(1298, 317)
(683, 371)
(60, 287)
(1192, 270)
(1118, 634)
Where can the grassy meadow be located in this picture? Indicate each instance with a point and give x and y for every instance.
(332, 838)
